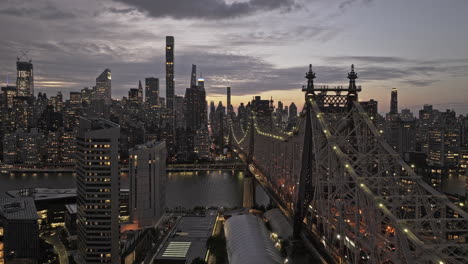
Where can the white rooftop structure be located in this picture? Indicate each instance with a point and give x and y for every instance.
(248, 241)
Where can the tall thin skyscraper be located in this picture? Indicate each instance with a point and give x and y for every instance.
(152, 91)
(97, 170)
(193, 78)
(103, 86)
(394, 101)
(170, 72)
(229, 107)
(24, 78)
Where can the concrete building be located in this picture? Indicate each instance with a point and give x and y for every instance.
(98, 191)
(19, 232)
(147, 168)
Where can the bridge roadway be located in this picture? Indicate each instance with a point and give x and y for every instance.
(206, 167)
(311, 241)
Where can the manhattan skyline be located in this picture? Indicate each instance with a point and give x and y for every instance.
(256, 47)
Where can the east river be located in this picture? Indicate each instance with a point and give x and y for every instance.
(184, 189)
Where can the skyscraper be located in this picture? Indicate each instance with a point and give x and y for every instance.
(152, 91)
(147, 167)
(201, 83)
(280, 106)
(24, 78)
(98, 191)
(170, 72)
(394, 102)
(140, 92)
(229, 106)
(193, 78)
(292, 111)
(103, 86)
(179, 111)
(195, 104)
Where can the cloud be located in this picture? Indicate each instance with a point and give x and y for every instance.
(420, 83)
(46, 12)
(208, 9)
(282, 36)
(367, 59)
(348, 3)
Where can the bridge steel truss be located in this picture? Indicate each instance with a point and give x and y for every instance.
(364, 203)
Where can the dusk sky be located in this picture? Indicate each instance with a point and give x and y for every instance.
(258, 47)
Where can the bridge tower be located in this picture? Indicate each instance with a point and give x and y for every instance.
(305, 192)
(249, 183)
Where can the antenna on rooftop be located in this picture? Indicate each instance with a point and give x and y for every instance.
(24, 53)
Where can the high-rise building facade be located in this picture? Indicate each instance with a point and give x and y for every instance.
(195, 105)
(170, 72)
(179, 111)
(444, 140)
(140, 92)
(394, 102)
(193, 77)
(24, 78)
(230, 110)
(103, 87)
(147, 168)
(292, 111)
(97, 168)
(152, 92)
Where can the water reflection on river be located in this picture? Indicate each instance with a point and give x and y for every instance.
(184, 189)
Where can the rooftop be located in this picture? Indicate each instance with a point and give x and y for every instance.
(44, 194)
(39, 194)
(188, 238)
(149, 144)
(18, 208)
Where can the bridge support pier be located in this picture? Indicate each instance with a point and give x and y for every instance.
(249, 191)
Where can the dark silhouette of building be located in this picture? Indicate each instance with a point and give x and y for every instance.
(195, 105)
(193, 77)
(394, 102)
(152, 92)
(229, 106)
(19, 231)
